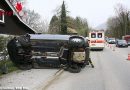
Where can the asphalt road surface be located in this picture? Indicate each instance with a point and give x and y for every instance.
(111, 72)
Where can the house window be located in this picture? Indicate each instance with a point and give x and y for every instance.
(2, 20)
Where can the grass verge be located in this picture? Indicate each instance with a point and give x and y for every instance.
(10, 66)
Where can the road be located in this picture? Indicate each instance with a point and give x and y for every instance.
(28, 79)
(111, 72)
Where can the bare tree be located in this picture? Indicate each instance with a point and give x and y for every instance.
(31, 18)
(42, 27)
(54, 26)
(34, 20)
(119, 25)
(123, 19)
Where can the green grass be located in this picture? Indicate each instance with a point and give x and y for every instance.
(11, 67)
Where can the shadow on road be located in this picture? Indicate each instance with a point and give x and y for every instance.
(96, 50)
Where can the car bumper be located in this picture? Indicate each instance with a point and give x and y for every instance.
(99, 48)
(122, 45)
(111, 42)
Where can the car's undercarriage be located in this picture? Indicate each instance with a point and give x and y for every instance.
(70, 52)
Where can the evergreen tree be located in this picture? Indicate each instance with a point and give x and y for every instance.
(63, 19)
(54, 25)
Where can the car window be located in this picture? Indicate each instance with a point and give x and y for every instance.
(99, 35)
(93, 35)
(111, 38)
(122, 41)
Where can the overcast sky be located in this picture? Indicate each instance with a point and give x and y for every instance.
(95, 11)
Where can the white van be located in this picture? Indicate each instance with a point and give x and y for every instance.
(97, 40)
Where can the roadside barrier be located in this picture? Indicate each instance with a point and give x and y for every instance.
(113, 48)
(107, 45)
(128, 56)
(110, 46)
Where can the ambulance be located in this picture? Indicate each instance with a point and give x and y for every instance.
(97, 40)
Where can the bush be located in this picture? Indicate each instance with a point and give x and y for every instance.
(10, 67)
(2, 43)
(6, 65)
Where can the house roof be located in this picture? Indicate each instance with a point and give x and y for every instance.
(17, 15)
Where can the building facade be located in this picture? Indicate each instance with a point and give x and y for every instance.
(10, 21)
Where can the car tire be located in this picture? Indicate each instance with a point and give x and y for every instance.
(74, 69)
(24, 41)
(101, 49)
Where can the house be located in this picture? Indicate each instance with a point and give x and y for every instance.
(10, 21)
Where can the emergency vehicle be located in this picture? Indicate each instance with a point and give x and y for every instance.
(96, 40)
(127, 38)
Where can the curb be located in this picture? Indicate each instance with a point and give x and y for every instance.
(49, 81)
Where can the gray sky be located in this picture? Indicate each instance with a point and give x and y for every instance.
(95, 11)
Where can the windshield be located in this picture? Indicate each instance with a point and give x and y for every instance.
(111, 38)
(122, 41)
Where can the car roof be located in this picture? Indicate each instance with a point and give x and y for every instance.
(121, 40)
(111, 38)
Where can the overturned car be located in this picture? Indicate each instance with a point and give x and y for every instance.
(49, 51)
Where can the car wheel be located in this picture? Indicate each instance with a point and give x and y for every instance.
(74, 69)
(24, 41)
(101, 49)
(84, 64)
